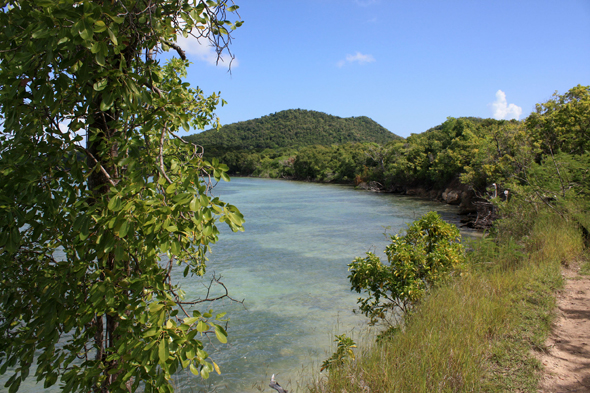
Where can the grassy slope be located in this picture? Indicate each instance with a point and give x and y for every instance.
(478, 332)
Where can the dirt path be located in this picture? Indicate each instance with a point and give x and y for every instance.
(567, 361)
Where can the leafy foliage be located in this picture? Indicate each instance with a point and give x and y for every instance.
(551, 161)
(293, 128)
(542, 158)
(343, 353)
(562, 123)
(89, 233)
(421, 258)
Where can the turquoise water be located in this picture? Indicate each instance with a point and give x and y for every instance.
(290, 268)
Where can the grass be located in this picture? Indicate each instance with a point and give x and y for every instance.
(479, 332)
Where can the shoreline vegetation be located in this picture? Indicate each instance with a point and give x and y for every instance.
(481, 330)
(486, 326)
(527, 183)
(93, 167)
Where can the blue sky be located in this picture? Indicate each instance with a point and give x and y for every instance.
(407, 64)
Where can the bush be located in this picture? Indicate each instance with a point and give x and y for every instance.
(429, 250)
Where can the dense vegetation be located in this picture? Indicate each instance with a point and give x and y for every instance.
(535, 154)
(478, 330)
(100, 198)
(292, 128)
(429, 159)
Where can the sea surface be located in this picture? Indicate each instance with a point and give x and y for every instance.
(289, 272)
(290, 268)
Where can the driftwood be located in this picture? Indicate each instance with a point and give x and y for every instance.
(275, 385)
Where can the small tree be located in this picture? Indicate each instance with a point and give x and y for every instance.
(97, 186)
(428, 251)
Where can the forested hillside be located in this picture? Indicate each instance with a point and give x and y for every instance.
(293, 128)
(548, 147)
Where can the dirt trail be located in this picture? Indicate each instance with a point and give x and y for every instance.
(567, 361)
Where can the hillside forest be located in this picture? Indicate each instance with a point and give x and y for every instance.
(543, 157)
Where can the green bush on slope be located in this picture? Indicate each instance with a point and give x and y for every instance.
(477, 332)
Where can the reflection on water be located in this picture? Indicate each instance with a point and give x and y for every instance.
(289, 266)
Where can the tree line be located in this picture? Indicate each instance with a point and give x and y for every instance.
(546, 155)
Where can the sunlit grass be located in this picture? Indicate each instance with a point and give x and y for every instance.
(479, 332)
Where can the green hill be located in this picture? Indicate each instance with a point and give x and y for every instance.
(294, 128)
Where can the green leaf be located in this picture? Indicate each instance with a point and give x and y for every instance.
(202, 327)
(95, 48)
(120, 254)
(194, 370)
(193, 205)
(45, 3)
(155, 307)
(99, 26)
(163, 351)
(191, 320)
(171, 188)
(207, 230)
(107, 101)
(101, 61)
(151, 332)
(220, 334)
(113, 37)
(86, 32)
(124, 228)
(204, 200)
(42, 33)
(117, 19)
(15, 385)
(190, 353)
(115, 204)
(175, 247)
(100, 85)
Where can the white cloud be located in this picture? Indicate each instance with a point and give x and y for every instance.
(203, 51)
(358, 57)
(502, 110)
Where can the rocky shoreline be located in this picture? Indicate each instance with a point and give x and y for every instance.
(478, 212)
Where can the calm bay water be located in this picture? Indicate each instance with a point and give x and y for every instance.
(290, 268)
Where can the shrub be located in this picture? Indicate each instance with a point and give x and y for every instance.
(428, 251)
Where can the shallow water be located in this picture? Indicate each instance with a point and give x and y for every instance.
(290, 268)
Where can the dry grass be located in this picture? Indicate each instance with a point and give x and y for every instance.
(477, 332)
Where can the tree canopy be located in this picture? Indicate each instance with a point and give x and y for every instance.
(99, 196)
(293, 128)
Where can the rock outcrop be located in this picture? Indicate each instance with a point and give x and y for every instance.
(478, 212)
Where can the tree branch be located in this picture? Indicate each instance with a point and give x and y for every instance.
(102, 169)
(162, 168)
(177, 48)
